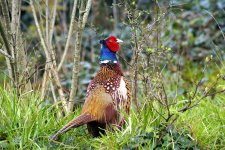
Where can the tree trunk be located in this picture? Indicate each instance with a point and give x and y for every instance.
(18, 49)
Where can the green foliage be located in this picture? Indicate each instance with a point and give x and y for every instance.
(206, 123)
(187, 33)
(176, 140)
(194, 27)
(143, 131)
(28, 122)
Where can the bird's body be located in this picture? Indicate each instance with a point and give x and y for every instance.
(107, 95)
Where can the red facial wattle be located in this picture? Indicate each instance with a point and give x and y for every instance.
(112, 44)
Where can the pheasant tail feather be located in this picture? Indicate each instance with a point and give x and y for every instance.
(80, 120)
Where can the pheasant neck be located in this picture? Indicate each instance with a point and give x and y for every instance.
(115, 67)
(108, 62)
(107, 55)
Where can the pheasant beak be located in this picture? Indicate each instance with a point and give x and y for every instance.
(119, 41)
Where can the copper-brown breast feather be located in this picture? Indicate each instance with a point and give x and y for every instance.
(99, 102)
(99, 105)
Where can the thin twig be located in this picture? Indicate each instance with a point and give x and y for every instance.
(81, 24)
(203, 97)
(47, 23)
(52, 22)
(115, 15)
(52, 65)
(10, 63)
(5, 12)
(72, 23)
(5, 39)
(136, 70)
(44, 81)
(39, 31)
(6, 54)
(166, 101)
(86, 13)
(166, 130)
(55, 99)
(216, 23)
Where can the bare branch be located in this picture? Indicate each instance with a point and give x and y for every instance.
(52, 64)
(52, 22)
(86, 13)
(206, 94)
(216, 23)
(6, 54)
(10, 64)
(39, 31)
(81, 24)
(55, 99)
(72, 23)
(5, 39)
(5, 12)
(44, 81)
(115, 15)
(135, 64)
(47, 22)
(166, 101)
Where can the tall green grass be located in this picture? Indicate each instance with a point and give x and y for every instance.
(28, 122)
(206, 123)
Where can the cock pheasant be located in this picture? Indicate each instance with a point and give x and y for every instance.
(107, 94)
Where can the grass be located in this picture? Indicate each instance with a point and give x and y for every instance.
(28, 122)
(206, 123)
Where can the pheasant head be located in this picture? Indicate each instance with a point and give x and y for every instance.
(108, 50)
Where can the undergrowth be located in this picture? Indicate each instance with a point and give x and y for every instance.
(206, 123)
(28, 122)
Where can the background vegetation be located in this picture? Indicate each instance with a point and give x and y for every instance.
(173, 55)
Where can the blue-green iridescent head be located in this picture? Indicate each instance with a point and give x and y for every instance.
(108, 49)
